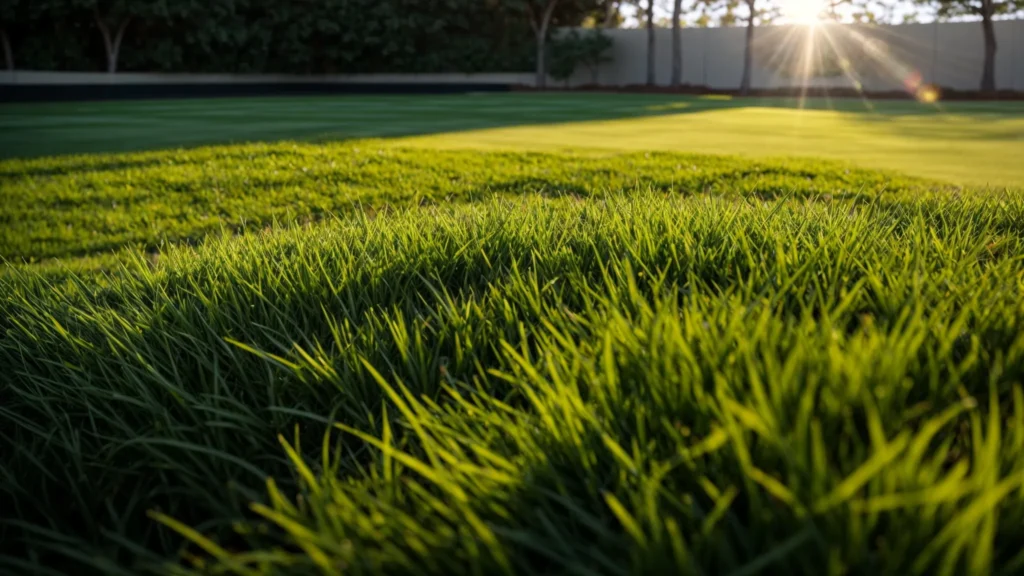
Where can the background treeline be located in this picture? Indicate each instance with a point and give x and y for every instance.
(286, 36)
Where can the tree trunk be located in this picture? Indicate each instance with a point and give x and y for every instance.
(610, 12)
(988, 74)
(8, 53)
(112, 64)
(111, 44)
(650, 42)
(748, 51)
(542, 72)
(540, 29)
(677, 44)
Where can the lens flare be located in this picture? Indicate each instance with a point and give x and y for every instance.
(928, 94)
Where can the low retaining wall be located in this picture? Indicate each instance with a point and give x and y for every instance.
(31, 86)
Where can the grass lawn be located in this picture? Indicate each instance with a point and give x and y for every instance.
(961, 142)
(402, 355)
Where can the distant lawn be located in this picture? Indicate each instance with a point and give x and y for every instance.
(965, 143)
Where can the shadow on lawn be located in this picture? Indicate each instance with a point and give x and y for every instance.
(94, 127)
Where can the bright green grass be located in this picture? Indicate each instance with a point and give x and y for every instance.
(504, 362)
(646, 383)
(966, 143)
(83, 206)
(401, 356)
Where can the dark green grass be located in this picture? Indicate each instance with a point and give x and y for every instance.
(629, 365)
(28, 130)
(976, 143)
(90, 205)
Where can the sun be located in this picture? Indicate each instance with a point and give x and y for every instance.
(806, 12)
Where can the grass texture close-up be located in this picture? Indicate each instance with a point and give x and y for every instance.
(407, 357)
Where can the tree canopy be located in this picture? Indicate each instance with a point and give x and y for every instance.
(279, 36)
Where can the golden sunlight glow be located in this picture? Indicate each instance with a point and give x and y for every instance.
(928, 94)
(806, 12)
(819, 56)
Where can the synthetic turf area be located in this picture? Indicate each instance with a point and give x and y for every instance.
(406, 356)
(961, 142)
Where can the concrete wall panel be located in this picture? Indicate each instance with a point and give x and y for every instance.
(724, 64)
(880, 57)
(960, 53)
(694, 56)
(1018, 56)
(628, 56)
(1006, 43)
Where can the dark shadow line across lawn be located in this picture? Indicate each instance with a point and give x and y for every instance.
(152, 125)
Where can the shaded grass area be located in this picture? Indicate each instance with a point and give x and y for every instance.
(976, 143)
(753, 379)
(89, 205)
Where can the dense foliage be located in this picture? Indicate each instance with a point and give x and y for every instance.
(292, 36)
(640, 363)
(574, 49)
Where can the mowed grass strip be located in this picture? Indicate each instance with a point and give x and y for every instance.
(87, 205)
(631, 383)
(969, 143)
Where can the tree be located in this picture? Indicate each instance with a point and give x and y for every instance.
(987, 10)
(8, 18)
(112, 18)
(756, 12)
(748, 48)
(677, 43)
(865, 11)
(539, 13)
(594, 52)
(572, 49)
(649, 24)
(611, 14)
(287, 36)
(543, 15)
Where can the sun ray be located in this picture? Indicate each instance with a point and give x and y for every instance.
(845, 65)
(785, 48)
(820, 65)
(806, 72)
(911, 79)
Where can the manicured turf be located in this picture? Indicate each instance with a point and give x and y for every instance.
(56, 208)
(404, 357)
(643, 383)
(961, 142)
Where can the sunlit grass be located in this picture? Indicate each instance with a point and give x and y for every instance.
(960, 149)
(962, 142)
(70, 207)
(507, 363)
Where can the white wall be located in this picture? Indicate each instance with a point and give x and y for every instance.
(947, 54)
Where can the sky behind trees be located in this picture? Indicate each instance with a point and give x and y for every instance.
(716, 13)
